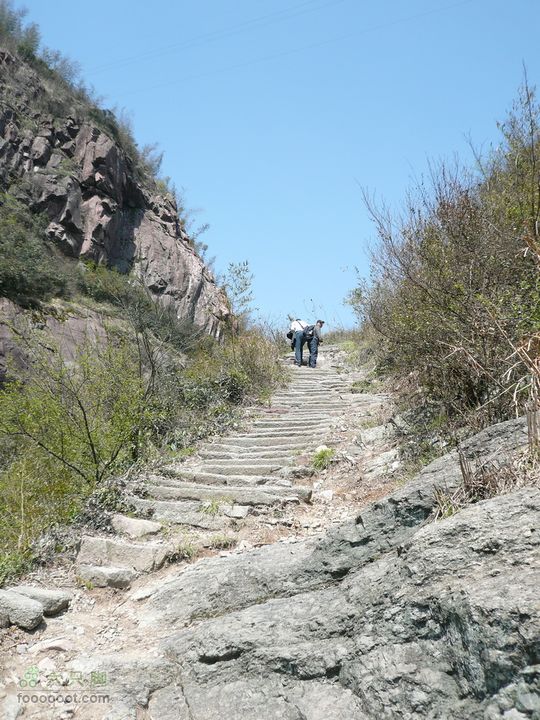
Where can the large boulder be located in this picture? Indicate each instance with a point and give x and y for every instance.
(53, 601)
(20, 610)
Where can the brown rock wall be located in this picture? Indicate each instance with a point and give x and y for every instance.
(98, 206)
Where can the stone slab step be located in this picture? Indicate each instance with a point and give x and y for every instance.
(134, 527)
(213, 480)
(308, 414)
(291, 424)
(299, 433)
(319, 390)
(260, 495)
(270, 441)
(257, 452)
(241, 467)
(315, 404)
(107, 576)
(181, 513)
(212, 455)
(221, 480)
(142, 557)
(243, 452)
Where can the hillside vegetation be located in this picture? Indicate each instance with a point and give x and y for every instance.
(452, 307)
(100, 375)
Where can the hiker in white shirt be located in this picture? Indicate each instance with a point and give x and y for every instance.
(297, 327)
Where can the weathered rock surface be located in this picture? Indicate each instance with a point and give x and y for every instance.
(20, 610)
(134, 527)
(53, 601)
(108, 576)
(99, 206)
(439, 630)
(386, 616)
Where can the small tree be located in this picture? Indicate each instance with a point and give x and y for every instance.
(239, 287)
(88, 416)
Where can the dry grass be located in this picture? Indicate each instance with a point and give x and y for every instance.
(487, 480)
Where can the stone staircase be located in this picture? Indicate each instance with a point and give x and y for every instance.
(232, 482)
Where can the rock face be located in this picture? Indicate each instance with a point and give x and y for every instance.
(387, 616)
(99, 207)
(442, 630)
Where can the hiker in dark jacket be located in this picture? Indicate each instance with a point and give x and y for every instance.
(314, 339)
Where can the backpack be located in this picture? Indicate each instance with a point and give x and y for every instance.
(309, 331)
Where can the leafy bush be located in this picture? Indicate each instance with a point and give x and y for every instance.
(35, 491)
(109, 286)
(66, 429)
(90, 417)
(27, 270)
(455, 288)
(138, 307)
(322, 458)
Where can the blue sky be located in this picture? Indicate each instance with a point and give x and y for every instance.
(272, 114)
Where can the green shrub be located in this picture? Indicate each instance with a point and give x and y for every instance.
(36, 491)
(322, 458)
(91, 417)
(27, 268)
(222, 542)
(108, 286)
(138, 307)
(66, 429)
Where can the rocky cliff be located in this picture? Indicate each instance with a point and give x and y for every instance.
(99, 205)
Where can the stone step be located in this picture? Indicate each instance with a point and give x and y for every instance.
(243, 441)
(107, 576)
(201, 476)
(260, 495)
(316, 403)
(182, 513)
(307, 392)
(241, 467)
(318, 389)
(284, 458)
(298, 433)
(258, 452)
(206, 478)
(134, 527)
(142, 557)
(290, 423)
(289, 414)
(312, 409)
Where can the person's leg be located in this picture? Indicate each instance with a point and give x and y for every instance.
(298, 347)
(313, 352)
